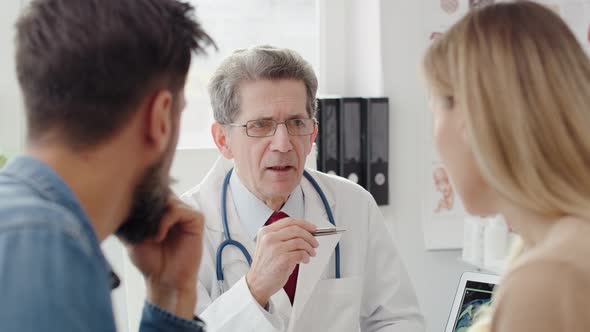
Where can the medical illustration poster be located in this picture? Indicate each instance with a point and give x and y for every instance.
(449, 6)
(442, 211)
(479, 3)
(445, 199)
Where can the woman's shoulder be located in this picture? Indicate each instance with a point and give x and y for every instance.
(548, 289)
(562, 254)
(543, 296)
(566, 243)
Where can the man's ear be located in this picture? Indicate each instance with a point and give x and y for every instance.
(159, 126)
(221, 138)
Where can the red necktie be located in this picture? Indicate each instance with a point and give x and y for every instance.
(291, 284)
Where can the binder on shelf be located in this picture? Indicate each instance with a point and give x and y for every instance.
(329, 135)
(377, 149)
(318, 138)
(352, 139)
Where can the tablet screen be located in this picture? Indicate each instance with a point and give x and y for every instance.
(475, 295)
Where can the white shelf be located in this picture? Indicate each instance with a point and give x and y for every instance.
(488, 269)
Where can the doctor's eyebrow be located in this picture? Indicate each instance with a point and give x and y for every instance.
(298, 116)
(295, 116)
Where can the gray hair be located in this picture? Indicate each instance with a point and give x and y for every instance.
(258, 63)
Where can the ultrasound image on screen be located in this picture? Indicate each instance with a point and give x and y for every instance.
(476, 295)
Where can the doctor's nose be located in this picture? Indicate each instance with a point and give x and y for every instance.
(281, 140)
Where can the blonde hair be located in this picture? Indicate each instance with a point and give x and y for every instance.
(484, 314)
(523, 81)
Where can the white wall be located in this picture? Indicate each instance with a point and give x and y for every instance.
(11, 114)
(350, 48)
(435, 274)
(348, 57)
(117, 258)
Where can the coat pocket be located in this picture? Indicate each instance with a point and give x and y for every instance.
(333, 306)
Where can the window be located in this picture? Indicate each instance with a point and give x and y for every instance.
(240, 24)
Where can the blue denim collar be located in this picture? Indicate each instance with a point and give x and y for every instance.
(49, 185)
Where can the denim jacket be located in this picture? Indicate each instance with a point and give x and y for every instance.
(53, 275)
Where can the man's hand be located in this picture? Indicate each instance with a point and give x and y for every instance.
(170, 261)
(279, 248)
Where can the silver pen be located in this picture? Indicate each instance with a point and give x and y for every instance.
(327, 231)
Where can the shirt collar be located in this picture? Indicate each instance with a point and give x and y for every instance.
(253, 213)
(49, 185)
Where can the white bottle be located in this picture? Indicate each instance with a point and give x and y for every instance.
(495, 243)
(468, 223)
(477, 241)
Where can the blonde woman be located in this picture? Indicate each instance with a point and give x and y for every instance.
(510, 89)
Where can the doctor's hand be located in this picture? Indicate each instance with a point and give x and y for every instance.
(170, 261)
(279, 248)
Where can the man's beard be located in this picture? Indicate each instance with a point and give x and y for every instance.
(150, 197)
(149, 203)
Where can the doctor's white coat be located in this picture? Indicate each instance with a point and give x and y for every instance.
(373, 293)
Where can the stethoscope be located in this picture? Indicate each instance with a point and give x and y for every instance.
(229, 242)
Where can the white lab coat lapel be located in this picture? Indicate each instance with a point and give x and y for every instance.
(235, 264)
(332, 304)
(315, 213)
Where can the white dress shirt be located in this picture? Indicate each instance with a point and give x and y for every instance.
(253, 213)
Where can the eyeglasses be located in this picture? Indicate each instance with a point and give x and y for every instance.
(268, 127)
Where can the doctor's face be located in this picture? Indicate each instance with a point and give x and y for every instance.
(270, 167)
(451, 141)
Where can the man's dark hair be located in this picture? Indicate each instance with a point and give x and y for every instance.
(84, 65)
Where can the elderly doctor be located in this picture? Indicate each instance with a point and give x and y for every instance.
(261, 210)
